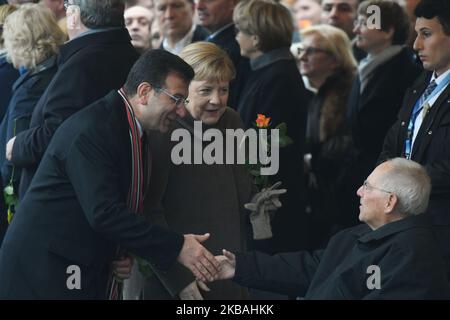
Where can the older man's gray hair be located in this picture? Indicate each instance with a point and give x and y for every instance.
(410, 182)
(97, 14)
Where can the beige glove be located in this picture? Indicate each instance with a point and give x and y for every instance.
(192, 291)
(262, 207)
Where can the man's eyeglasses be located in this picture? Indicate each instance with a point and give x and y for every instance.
(178, 101)
(311, 50)
(367, 186)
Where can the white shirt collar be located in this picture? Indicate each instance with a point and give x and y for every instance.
(213, 35)
(440, 78)
(187, 39)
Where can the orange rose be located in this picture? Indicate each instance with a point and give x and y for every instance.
(262, 121)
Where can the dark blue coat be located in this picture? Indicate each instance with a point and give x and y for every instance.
(27, 91)
(8, 75)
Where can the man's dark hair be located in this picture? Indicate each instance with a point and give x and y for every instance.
(392, 16)
(97, 14)
(439, 9)
(153, 67)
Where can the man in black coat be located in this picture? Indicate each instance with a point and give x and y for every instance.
(96, 60)
(217, 17)
(377, 91)
(392, 256)
(75, 213)
(422, 130)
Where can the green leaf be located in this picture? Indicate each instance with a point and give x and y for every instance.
(283, 128)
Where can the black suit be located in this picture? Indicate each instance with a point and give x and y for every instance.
(371, 114)
(200, 34)
(89, 67)
(226, 39)
(75, 212)
(431, 149)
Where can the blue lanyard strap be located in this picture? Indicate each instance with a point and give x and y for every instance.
(420, 103)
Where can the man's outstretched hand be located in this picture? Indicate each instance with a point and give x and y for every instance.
(196, 258)
(227, 265)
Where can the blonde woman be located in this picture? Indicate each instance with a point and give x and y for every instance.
(327, 62)
(208, 198)
(32, 39)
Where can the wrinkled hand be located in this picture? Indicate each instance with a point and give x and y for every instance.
(122, 268)
(227, 265)
(197, 259)
(262, 207)
(192, 291)
(9, 148)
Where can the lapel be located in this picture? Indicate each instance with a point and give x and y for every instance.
(432, 120)
(24, 77)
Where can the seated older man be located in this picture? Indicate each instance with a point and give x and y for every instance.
(392, 256)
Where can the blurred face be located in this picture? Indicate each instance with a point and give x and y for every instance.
(371, 40)
(340, 13)
(214, 14)
(57, 7)
(314, 60)
(156, 36)
(247, 44)
(307, 13)
(432, 45)
(175, 17)
(373, 201)
(158, 108)
(207, 100)
(137, 21)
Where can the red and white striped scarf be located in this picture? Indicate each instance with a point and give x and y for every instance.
(136, 192)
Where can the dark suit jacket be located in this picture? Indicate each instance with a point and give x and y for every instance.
(226, 39)
(75, 212)
(372, 112)
(88, 68)
(431, 147)
(405, 252)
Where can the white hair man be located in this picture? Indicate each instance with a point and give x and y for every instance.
(392, 256)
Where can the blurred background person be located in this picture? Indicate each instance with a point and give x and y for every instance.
(342, 14)
(275, 89)
(8, 75)
(218, 192)
(381, 82)
(327, 62)
(32, 40)
(155, 34)
(307, 13)
(58, 9)
(176, 20)
(138, 21)
(216, 16)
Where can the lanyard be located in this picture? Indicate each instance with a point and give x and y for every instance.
(416, 111)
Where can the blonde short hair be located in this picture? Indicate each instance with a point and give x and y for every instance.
(5, 11)
(32, 35)
(270, 21)
(336, 42)
(209, 62)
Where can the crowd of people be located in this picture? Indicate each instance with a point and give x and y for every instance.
(92, 93)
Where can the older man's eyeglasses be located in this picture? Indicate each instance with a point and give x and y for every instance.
(178, 101)
(367, 187)
(360, 23)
